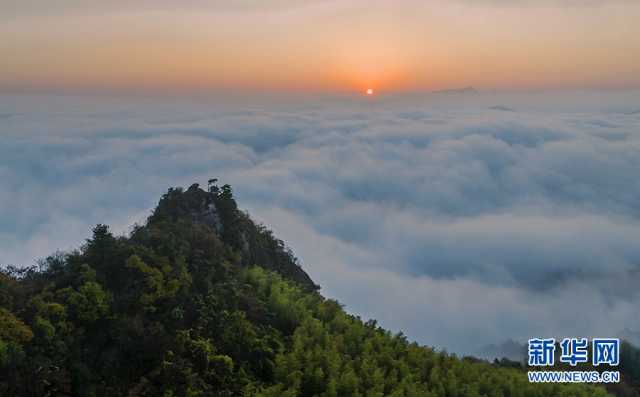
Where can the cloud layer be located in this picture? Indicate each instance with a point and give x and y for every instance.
(450, 218)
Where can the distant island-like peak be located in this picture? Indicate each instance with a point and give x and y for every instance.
(464, 90)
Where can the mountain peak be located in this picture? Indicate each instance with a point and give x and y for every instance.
(202, 301)
(217, 210)
(464, 90)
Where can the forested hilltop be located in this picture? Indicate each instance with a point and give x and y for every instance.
(201, 301)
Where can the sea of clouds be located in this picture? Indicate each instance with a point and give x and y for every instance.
(461, 220)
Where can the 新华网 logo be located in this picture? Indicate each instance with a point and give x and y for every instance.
(574, 351)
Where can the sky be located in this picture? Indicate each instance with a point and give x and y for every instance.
(460, 219)
(318, 46)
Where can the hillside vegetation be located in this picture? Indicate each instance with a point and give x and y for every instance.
(201, 301)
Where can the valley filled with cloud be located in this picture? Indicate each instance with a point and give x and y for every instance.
(460, 220)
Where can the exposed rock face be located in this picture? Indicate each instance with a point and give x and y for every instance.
(202, 208)
(208, 214)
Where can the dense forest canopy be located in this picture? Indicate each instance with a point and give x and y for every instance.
(201, 301)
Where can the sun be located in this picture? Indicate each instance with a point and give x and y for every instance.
(369, 91)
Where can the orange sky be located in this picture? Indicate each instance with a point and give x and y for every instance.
(320, 45)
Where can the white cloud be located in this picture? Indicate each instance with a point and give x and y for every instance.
(444, 217)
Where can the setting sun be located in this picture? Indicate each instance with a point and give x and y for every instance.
(369, 91)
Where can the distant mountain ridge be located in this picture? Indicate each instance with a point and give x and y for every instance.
(464, 90)
(509, 349)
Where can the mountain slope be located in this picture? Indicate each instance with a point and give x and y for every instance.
(200, 301)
